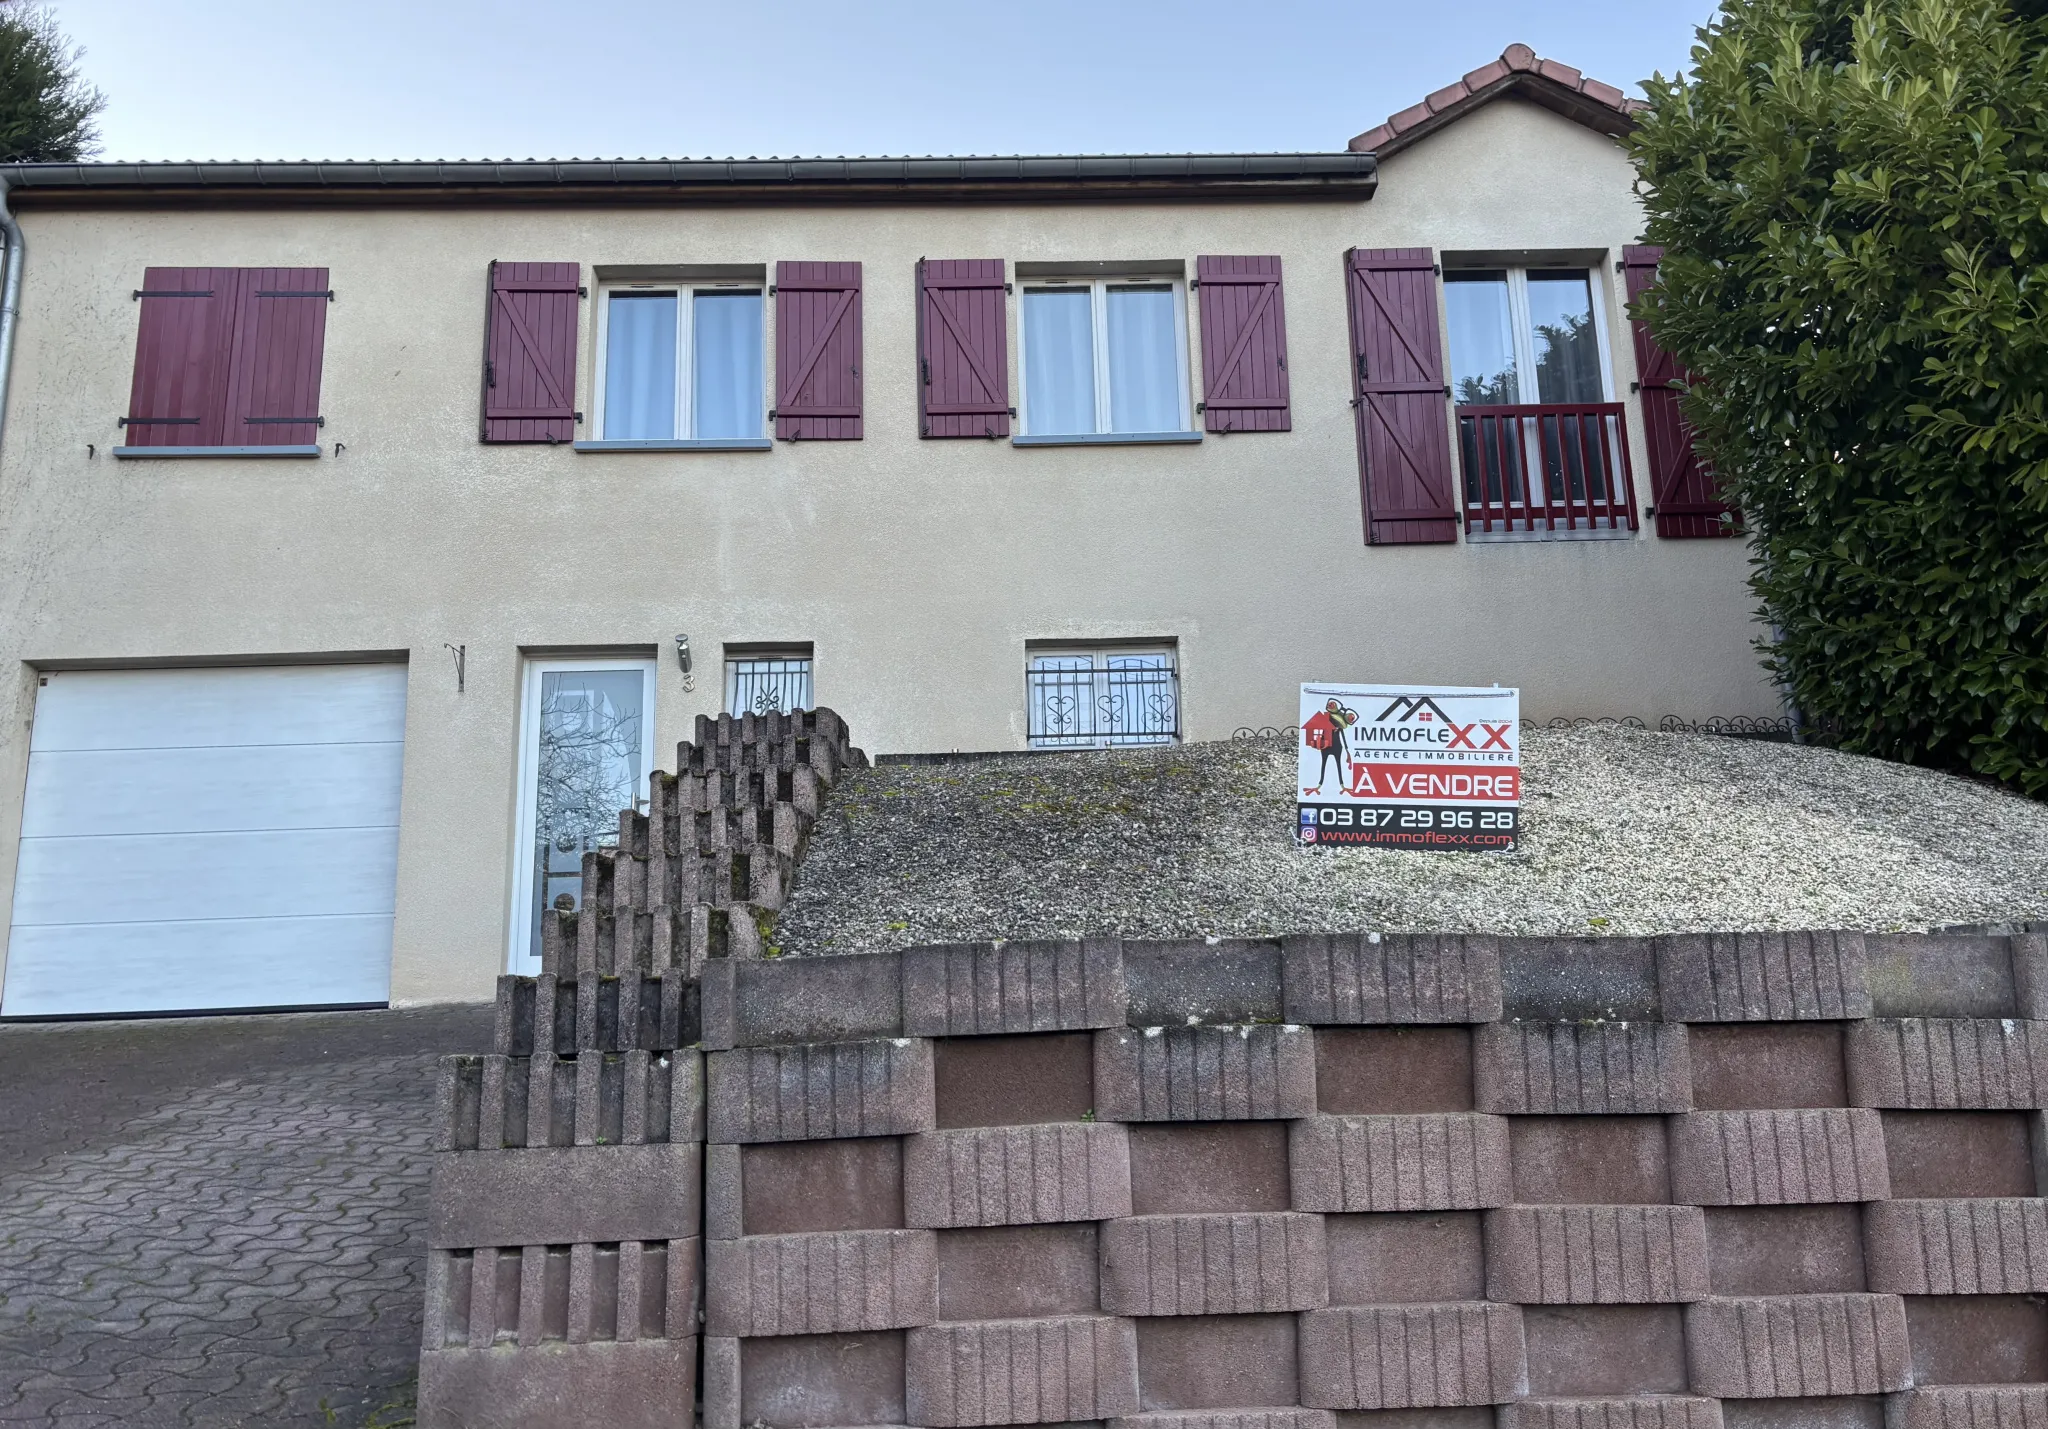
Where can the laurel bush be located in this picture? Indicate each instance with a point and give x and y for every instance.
(1853, 199)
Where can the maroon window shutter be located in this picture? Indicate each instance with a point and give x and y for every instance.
(183, 344)
(530, 352)
(274, 377)
(1397, 371)
(1244, 345)
(1687, 500)
(817, 352)
(963, 348)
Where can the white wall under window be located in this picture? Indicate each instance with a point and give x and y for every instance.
(680, 361)
(1105, 355)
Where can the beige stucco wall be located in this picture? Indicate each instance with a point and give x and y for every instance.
(919, 569)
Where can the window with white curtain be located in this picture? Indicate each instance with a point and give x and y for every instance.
(681, 362)
(1105, 356)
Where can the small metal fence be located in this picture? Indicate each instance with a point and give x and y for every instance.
(1546, 468)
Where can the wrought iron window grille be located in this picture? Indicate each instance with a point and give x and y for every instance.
(1103, 699)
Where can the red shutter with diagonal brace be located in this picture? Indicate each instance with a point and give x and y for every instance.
(530, 352)
(1688, 500)
(1397, 374)
(183, 346)
(963, 348)
(273, 397)
(817, 352)
(1244, 345)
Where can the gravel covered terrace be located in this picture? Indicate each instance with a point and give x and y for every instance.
(1624, 831)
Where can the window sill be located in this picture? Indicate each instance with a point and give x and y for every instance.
(141, 453)
(1107, 439)
(708, 444)
(1598, 533)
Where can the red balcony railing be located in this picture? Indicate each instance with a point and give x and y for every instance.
(1546, 468)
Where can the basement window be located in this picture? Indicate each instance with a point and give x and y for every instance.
(764, 678)
(1108, 697)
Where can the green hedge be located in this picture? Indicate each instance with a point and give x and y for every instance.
(1854, 204)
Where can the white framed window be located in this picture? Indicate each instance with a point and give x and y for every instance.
(1105, 356)
(760, 679)
(586, 744)
(1103, 697)
(1526, 337)
(681, 361)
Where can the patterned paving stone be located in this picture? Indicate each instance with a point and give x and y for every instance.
(245, 1251)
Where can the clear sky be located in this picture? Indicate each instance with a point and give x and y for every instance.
(409, 79)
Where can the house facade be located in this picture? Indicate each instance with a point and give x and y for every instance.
(372, 529)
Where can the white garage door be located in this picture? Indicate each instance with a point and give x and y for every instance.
(205, 839)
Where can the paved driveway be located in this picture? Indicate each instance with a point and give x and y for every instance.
(217, 1221)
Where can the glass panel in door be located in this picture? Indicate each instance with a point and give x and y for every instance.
(589, 763)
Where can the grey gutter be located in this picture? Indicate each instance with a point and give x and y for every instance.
(10, 298)
(1347, 174)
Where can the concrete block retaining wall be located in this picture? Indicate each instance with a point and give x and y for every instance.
(1754, 1181)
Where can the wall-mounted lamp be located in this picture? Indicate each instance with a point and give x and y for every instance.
(683, 660)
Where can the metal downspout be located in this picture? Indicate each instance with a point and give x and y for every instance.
(10, 300)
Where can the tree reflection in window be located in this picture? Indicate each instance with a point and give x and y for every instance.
(587, 771)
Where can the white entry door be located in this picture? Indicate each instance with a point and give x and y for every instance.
(586, 746)
(205, 839)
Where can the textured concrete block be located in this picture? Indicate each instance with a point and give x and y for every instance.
(1597, 979)
(631, 1386)
(1193, 1168)
(1752, 1066)
(822, 1283)
(1174, 982)
(1412, 1356)
(1785, 1250)
(2029, 954)
(1941, 975)
(1589, 1351)
(1864, 1411)
(1532, 1068)
(1978, 1339)
(1214, 1265)
(1416, 1257)
(724, 1193)
(1795, 1346)
(1763, 977)
(555, 1195)
(1974, 1406)
(1019, 1272)
(777, 1001)
(1648, 1411)
(1364, 1071)
(1014, 1081)
(1017, 1175)
(1205, 1073)
(1451, 1161)
(975, 989)
(1596, 1255)
(1590, 1160)
(1986, 1247)
(1021, 1371)
(1939, 1063)
(791, 1187)
(576, 1293)
(1218, 1362)
(1755, 1158)
(1970, 1154)
(1238, 1419)
(1340, 978)
(812, 1379)
(821, 1090)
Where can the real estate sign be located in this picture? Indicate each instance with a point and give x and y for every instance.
(1410, 766)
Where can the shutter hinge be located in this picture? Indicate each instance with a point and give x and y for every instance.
(1194, 282)
(578, 416)
(1013, 411)
(327, 293)
(1620, 266)
(581, 291)
(1201, 406)
(925, 365)
(141, 293)
(1437, 268)
(285, 421)
(157, 422)
(771, 414)
(1447, 389)
(771, 290)
(1635, 386)
(490, 373)
(1363, 375)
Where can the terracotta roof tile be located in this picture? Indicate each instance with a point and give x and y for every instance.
(1518, 71)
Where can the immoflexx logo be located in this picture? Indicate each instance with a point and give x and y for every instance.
(1410, 766)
